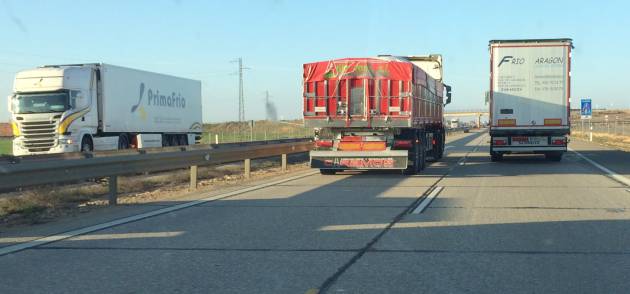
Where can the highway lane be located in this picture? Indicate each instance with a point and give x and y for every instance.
(523, 225)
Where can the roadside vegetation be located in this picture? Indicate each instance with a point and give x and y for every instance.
(5, 146)
(229, 132)
(43, 204)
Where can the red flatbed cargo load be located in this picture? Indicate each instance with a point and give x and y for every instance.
(370, 92)
(375, 113)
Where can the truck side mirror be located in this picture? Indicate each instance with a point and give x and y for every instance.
(448, 94)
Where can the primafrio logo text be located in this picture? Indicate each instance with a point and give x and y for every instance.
(154, 98)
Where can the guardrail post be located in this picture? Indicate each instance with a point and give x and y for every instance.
(247, 168)
(193, 177)
(284, 162)
(113, 190)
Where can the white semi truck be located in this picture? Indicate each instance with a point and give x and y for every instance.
(86, 107)
(530, 87)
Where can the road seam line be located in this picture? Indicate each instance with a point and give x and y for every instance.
(610, 173)
(427, 200)
(325, 286)
(90, 229)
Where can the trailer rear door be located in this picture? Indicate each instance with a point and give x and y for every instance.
(530, 84)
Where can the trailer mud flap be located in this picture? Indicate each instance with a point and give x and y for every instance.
(393, 159)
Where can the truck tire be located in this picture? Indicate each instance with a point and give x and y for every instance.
(553, 156)
(324, 171)
(438, 148)
(182, 140)
(86, 144)
(123, 142)
(496, 156)
(422, 161)
(439, 145)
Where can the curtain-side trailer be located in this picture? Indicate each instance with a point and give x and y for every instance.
(530, 90)
(375, 113)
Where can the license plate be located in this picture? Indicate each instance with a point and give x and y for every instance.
(360, 162)
(529, 140)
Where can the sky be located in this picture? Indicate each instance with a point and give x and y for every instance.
(198, 39)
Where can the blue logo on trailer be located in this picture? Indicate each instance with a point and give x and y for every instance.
(586, 109)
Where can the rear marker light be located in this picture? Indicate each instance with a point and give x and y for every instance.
(402, 144)
(324, 143)
(558, 141)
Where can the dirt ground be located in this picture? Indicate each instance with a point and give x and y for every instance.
(47, 203)
(617, 141)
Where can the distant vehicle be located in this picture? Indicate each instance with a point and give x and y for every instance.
(529, 97)
(85, 107)
(375, 113)
(453, 123)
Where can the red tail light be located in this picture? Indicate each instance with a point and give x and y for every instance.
(558, 141)
(403, 144)
(324, 143)
(499, 141)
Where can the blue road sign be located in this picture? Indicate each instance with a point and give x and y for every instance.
(586, 110)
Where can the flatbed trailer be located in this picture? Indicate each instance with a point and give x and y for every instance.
(375, 113)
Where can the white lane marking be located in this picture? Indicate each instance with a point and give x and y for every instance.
(90, 229)
(424, 203)
(115, 236)
(610, 173)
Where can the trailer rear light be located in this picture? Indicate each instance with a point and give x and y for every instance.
(558, 141)
(324, 143)
(403, 144)
(506, 122)
(352, 139)
(553, 121)
(349, 146)
(374, 146)
(499, 141)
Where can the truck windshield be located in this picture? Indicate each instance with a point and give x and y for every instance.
(41, 102)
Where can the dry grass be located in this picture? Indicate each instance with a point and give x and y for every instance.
(617, 141)
(43, 204)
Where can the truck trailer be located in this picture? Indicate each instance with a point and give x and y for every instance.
(530, 90)
(86, 107)
(384, 112)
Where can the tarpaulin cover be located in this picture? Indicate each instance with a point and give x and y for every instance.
(371, 68)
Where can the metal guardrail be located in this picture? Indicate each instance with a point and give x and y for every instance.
(63, 170)
(10, 159)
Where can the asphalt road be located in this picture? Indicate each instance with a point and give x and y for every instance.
(524, 225)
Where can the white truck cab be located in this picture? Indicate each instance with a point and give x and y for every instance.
(51, 108)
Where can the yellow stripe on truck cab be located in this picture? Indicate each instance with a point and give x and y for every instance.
(65, 123)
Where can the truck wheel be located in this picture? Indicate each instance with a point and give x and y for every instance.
(326, 171)
(419, 156)
(86, 144)
(183, 140)
(414, 168)
(553, 156)
(440, 145)
(496, 156)
(422, 160)
(123, 142)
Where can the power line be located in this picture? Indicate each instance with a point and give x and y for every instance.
(241, 98)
